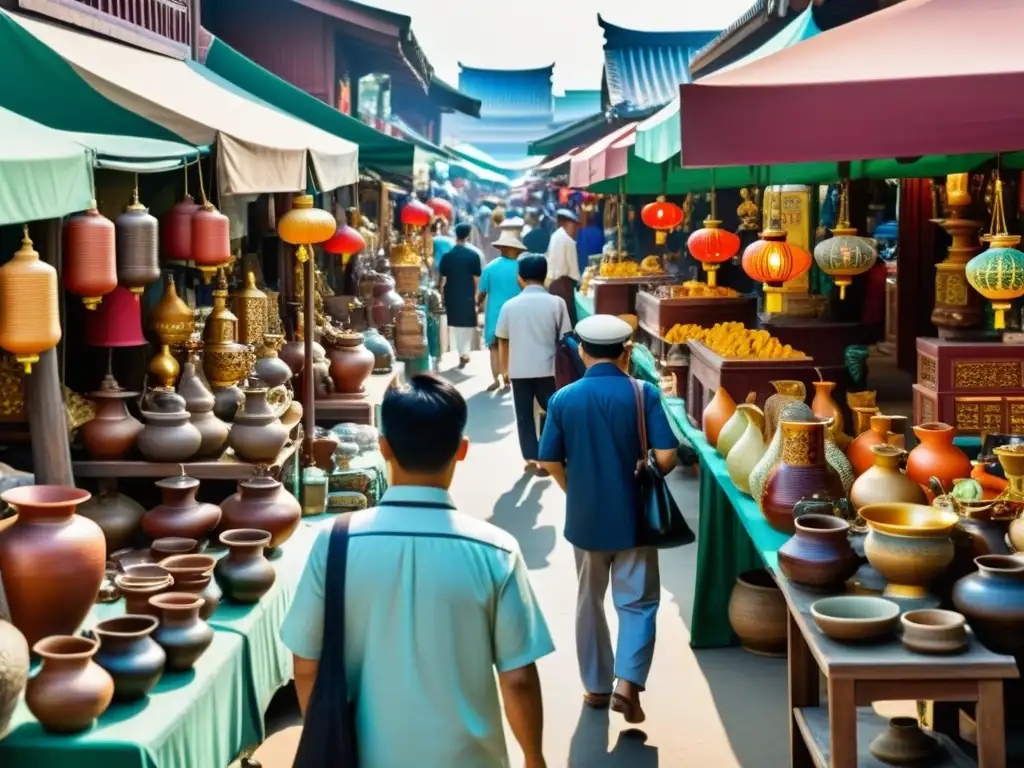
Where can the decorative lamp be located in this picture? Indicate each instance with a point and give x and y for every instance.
(172, 319)
(29, 317)
(117, 322)
(250, 306)
(711, 245)
(138, 251)
(416, 214)
(176, 229)
(997, 273)
(345, 242)
(305, 225)
(211, 240)
(90, 267)
(773, 261)
(441, 207)
(844, 254)
(662, 217)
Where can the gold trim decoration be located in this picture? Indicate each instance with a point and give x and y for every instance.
(994, 374)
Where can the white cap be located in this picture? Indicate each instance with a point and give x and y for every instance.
(507, 240)
(604, 329)
(514, 223)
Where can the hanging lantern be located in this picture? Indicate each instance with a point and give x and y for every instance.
(662, 217)
(90, 263)
(844, 255)
(997, 273)
(29, 317)
(442, 208)
(773, 261)
(176, 229)
(117, 322)
(305, 225)
(711, 245)
(415, 214)
(138, 259)
(345, 242)
(211, 240)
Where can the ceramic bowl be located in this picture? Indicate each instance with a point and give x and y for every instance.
(144, 573)
(903, 519)
(934, 631)
(855, 618)
(172, 545)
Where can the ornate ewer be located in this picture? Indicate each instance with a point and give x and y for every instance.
(173, 322)
(225, 361)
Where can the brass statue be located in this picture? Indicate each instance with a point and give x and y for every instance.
(748, 210)
(687, 223)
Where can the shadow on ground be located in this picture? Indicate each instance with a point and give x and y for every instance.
(491, 417)
(589, 746)
(517, 511)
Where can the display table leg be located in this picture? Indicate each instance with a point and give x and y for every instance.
(991, 728)
(803, 692)
(842, 723)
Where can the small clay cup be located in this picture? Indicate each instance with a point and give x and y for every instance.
(136, 595)
(932, 631)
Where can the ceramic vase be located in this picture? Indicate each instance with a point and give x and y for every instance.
(70, 690)
(182, 634)
(112, 433)
(199, 402)
(904, 743)
(716, 414)
(862, 418)
(351, 363)
(884, 482)
(130, 655)
(758, 614)
(262, 502)
(824, 407)
(802, 471)
(244, 573)
(936, 456)
(117, 515)
(194, 574)
(859, 452)
(169, 437)
(52, 560)
(819, 555)
(227, 401)
(786, 391)
(270, 369)
(383, 352)
(736, 426)
(793, 410)
(992, 599)
(322, 448)
(180, 514)
(257, 435)
(747, 452)
(909, 545)
(14, 661)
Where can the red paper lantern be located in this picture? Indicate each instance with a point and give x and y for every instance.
(773, 261)
(211, 240)
(442, 208)
(176, 228)
(345, 242)
(90, 268)
(662, 217)
(711, 245)
(563, 195)
(416, 214)
(117, 322)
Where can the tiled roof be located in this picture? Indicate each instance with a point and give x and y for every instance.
(509, 92)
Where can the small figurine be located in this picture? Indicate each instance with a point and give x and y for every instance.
(747, 211)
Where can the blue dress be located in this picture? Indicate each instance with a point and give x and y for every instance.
(500, 281)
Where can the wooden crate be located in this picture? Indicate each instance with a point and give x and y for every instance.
(970, 367)
(657, 315)
(972, 413)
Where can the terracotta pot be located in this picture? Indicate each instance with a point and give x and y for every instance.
(14, 661)
(936, 456)
(130, 655)
(802, 471)
(137, 593)
(716, 414)
(70, 690)
(746, 453)
(758, 614)
(786, 391)
(381, 349)
(736, 426)
(117, 515)
(227, 401)
(904, 743)
(200, 402)
(819, 554)
(794, 410)
(270, 369)
(180, 514)
(244, 573)
(323, 448)
(859, 453)
(52, 560)
(885, 482)
(257, 436)
(824, 407)
(194, 574)
(112, 432)
(172, 545)
(262, 502)
(294, 355)
(993, 602)
(182, 634)
(351, 363)
(169, 437)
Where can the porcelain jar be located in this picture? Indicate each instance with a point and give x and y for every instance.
(936, 456)
(111, 434)
(262, 502)
(885, 482)
(758, 614)
(70, 690)
(169, 437)
(244, 573)
(747, 451)
(716, 414)
(130, 655)
(802, 471)
(818, 555)
(182, 634)
(257, 435)
(180, 513)
(992, 599)
(794, 411)
(118, 515)
(14, 662)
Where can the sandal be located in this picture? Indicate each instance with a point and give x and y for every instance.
(630, 709)
(597, 700)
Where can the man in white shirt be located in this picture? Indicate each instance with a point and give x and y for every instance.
(529, 329)
(563, 263)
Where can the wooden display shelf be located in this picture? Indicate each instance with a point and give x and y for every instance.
(657, 315)
(227, 467)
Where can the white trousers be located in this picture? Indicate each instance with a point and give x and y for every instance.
(462, 340)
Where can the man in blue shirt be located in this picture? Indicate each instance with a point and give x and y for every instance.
(591, 445)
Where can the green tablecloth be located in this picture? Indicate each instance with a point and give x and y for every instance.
(584, 305)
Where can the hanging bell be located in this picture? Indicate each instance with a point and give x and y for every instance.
(29, 317)
(176, 229)
(211, 240)
(138, 252)
(90, 261)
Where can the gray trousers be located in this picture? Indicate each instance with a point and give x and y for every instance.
(636, 593)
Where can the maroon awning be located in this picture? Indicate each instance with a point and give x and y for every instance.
(924, 77)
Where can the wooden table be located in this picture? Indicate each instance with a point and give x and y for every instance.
(837, 736)
(227, 467)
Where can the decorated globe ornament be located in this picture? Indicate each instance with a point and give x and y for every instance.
(997, 273)
(844, 255)
(711, 246)
(773, 261)
(345, 242)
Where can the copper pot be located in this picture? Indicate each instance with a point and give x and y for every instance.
(351, 363)
(262, 502)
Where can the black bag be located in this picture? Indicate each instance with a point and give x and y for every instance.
(569, 365)
(329, 733)
(659, 522)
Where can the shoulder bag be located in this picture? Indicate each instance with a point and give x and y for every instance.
(328, 732)
(659, 522)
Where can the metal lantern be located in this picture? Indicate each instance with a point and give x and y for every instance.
(442, 208)
(138, 251)
(250, 306)
(844, 255)
(711, 245)
(305, 225)
(345, 242)
(29, 317)
(117, 322)
(416, 214)
(211, 240)
(997, 273)
(90, 263)
(662, 217)
(773, 261)
(176, 229)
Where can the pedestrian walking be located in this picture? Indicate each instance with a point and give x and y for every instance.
(459, 277)
(437, 602)
(563, 263)
(529, 328)
(443, 242)
(590, 445)
(498, 284)
(535, 237)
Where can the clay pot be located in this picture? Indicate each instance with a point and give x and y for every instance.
(137, 593)
(244, 573)
(227, 401)
(819, 554)
(117, 515)
(859, 452)
(294, 355)
(381, 349)
(70, 690)
(802, 472)
(793, 411)
(885, 482)
(909, 544)
(130, 655)
(936, 456)
(52, 560)
(180, 514)
(14, 661)
(270, 369)
(145, 573)
(736, 426)
(169, 437)
(322, 447)
(194, 574)
(182, 634)
(747, 452)
(716, 414)
(904, 743)
(257, 435)
(172, 545)
(351, 363)
(262, 502)
(112, 432)
(758, 614)
(824, 407)
(162, 400)
(200, 402)
(786, 391)
(993, 602)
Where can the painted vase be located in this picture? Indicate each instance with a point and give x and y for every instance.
(802, 471)
(70, 690)
(884, 482)
(716, 414)
(992, 599)
(786, 391)
(861, 457)
(936, 456)
(118, 516)
(257, 435)
(194, 574)
(112, 432)
(182, 634)
(911, 562)
(380, 347)
(262, 502)
(747, 451)
(53, 561)
(819, 553)
(824, 407)
(130, 655)
(14, 661)
(794, 410)
(244, 573)
(736, 426)
(758, 614)
(180, 514)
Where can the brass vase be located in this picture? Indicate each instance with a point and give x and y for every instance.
(172, 319)
(250, 304)
(225, 361)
